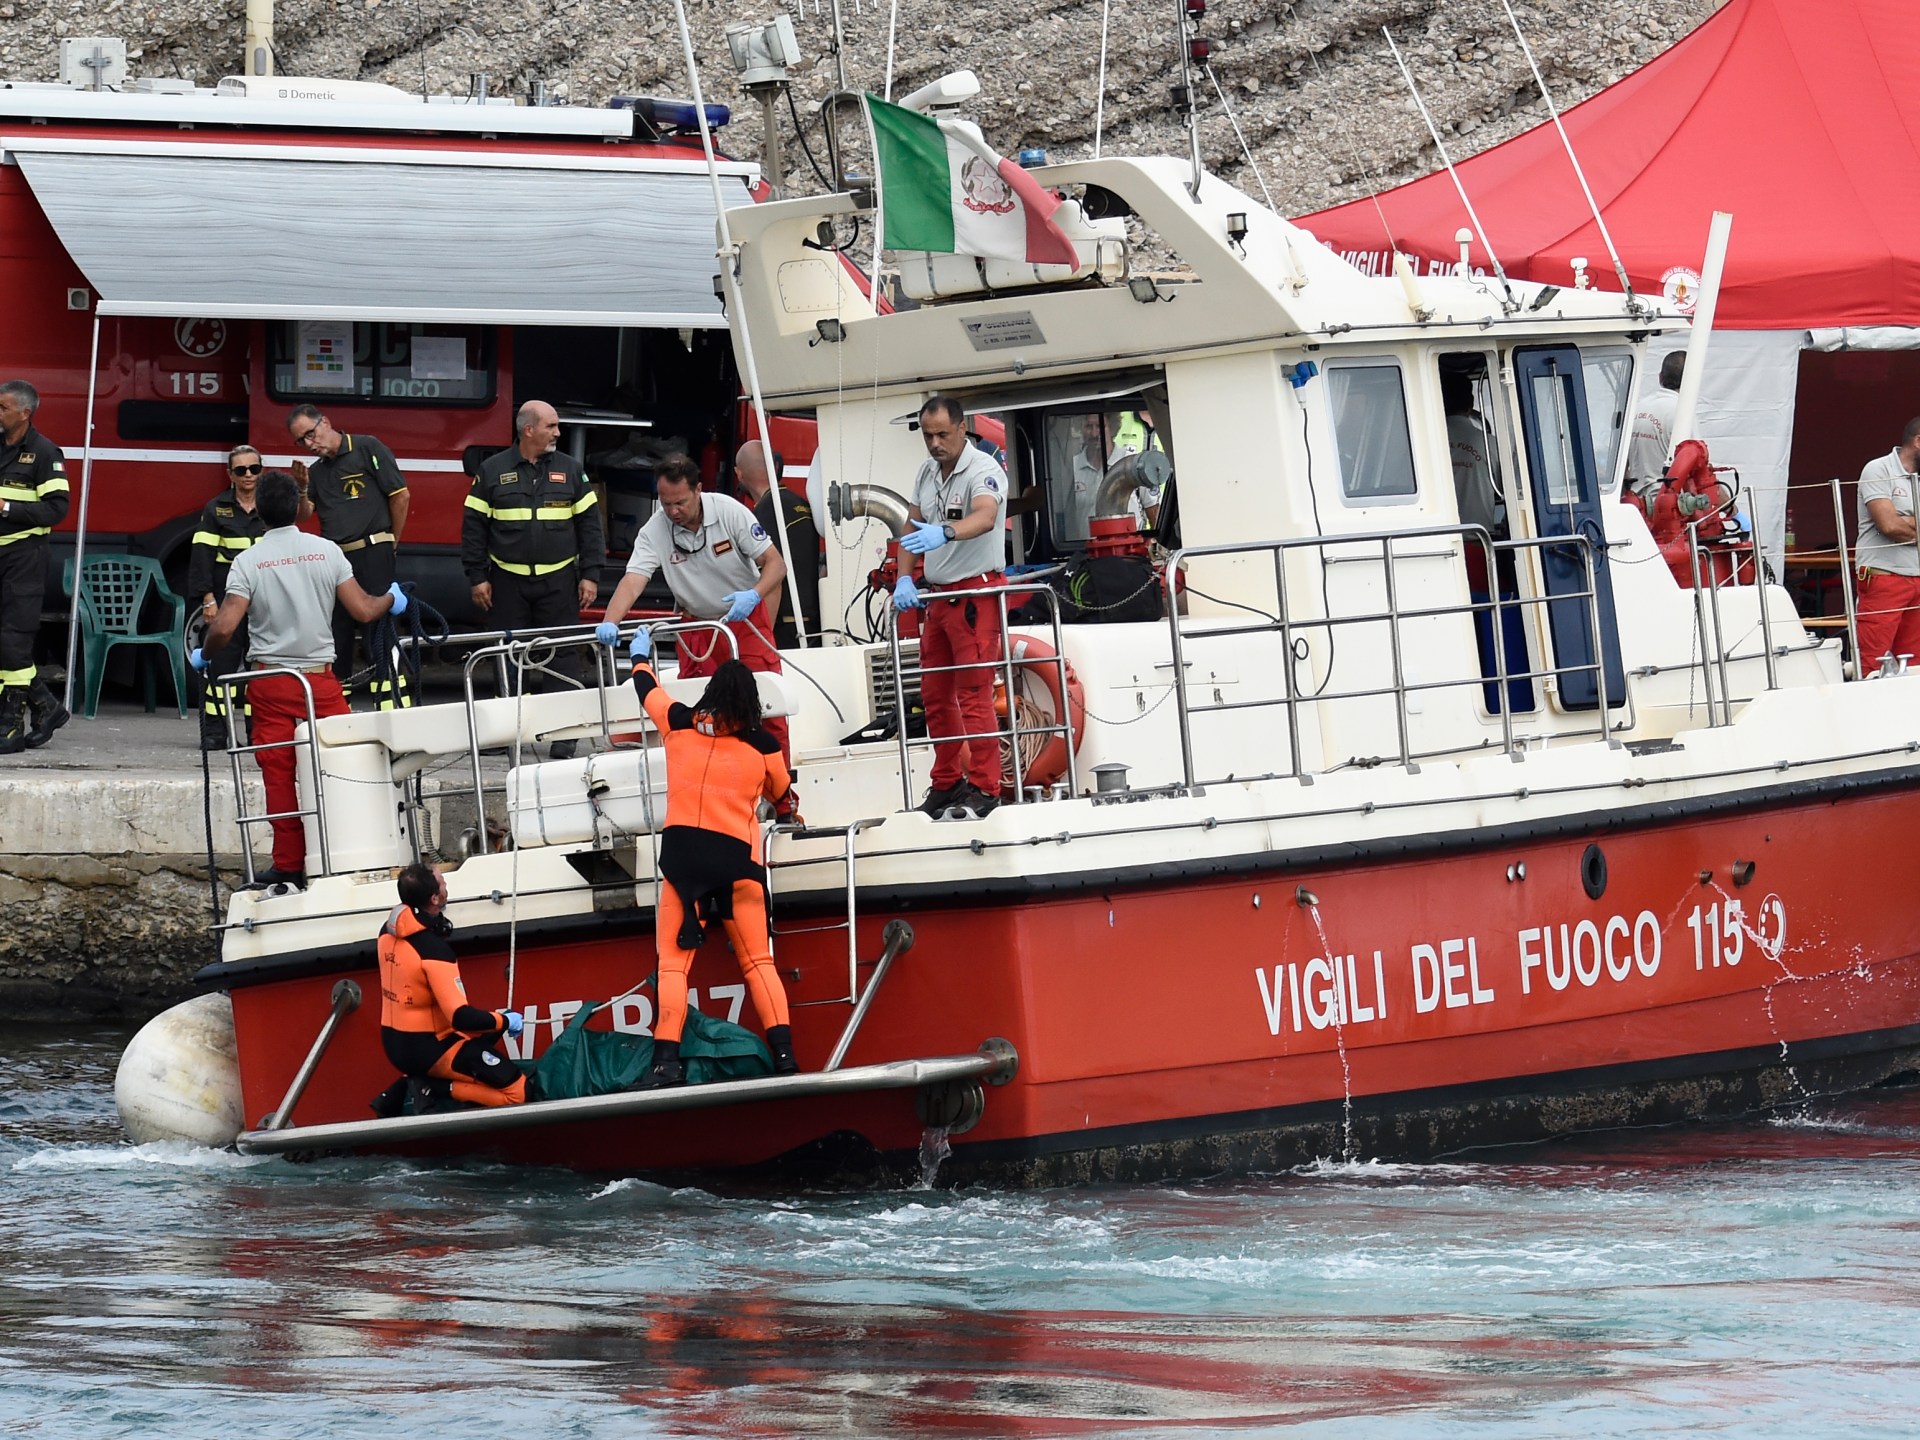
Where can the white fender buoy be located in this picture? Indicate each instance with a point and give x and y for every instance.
(179, 1078)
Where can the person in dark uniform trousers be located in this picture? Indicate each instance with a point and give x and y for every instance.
(355, 486)
(33, 499)
(229, 524)
(530, 542)
(803, 541)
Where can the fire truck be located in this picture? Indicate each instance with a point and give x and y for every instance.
(188, 264)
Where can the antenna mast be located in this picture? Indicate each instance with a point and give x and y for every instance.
(1509, 305)
(1620, 270)
(1194, 50)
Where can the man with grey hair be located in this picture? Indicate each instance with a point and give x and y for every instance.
(803, 540)
(33, 499)
(531, 542)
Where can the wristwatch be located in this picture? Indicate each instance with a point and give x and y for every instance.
(947, 530)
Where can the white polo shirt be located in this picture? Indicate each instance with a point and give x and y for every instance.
(703, 569)
(948, 501)
(288, 579)
(1882, 479)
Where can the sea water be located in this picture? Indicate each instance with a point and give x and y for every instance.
(1751, 1279)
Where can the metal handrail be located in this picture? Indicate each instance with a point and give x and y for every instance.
(232, 683)
(849, 858)
(1006, 664)
(1288, 624)
(345, 1000)
(503, 646)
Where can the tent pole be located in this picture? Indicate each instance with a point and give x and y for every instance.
(86, 494)
(730, 281)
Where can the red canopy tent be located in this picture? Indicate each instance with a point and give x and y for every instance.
(1801, 118)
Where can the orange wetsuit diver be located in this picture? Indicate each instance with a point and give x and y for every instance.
(720, 764)
(429, 1030)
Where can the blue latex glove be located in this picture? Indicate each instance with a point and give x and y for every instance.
(641, 646)
(197, 658)
(399, 598)
(607, 633)
(740, 604)
(906, 595)
(924, 536)
(514, 1023)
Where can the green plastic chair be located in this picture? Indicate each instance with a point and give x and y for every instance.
(112, 593)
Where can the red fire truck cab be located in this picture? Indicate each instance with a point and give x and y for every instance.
(417, 270)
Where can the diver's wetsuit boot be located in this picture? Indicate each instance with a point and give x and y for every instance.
(780, 1042)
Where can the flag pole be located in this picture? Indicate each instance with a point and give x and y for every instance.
(730, 282)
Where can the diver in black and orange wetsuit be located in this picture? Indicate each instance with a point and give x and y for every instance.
(720, 764)
(427, 1027)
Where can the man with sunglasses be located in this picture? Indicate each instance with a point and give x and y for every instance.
(355, 486)
(33, 499)
(229, 524)
(720, 564)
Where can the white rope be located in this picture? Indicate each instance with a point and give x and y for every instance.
(1245, 150)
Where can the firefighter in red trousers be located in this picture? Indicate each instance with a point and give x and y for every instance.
(720, 763)
(958, 512)
(427, 1028)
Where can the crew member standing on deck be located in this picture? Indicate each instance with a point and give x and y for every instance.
(720, 564)
(427, 1028)
(229, 524)
(803, 540)
(721, 763)
(285, 587)
(530, 541)
(1887, 620)
(356, 488)
(33, 499)
(959, 504)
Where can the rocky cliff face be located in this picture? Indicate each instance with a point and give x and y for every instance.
(1311, 85)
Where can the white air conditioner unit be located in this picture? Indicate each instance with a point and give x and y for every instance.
(949, 92)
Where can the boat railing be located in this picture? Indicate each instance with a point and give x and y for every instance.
(233, 684)
(515, 658)
(1294, 626)
(1011, 669)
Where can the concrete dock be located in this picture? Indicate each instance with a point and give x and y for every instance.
(104, 897)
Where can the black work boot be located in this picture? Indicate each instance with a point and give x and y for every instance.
(13, 722)
(45, 714)
(780, 1042)
(666, 1069)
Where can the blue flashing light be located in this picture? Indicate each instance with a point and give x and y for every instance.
(1033, 157)
(672, 114)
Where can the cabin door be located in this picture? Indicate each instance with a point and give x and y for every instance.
(1558, 442)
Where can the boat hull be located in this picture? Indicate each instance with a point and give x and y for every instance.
(1594, 974)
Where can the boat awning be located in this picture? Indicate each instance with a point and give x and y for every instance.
(267, 232)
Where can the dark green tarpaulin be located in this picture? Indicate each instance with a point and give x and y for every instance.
(601, 1062)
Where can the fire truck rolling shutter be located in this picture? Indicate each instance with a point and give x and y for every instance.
(321, 232)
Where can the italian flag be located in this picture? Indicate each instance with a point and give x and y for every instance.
(942, 188)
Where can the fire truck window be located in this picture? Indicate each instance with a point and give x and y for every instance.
(1370, 432)
(385, 364)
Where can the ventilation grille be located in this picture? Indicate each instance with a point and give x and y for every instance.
(880, 677)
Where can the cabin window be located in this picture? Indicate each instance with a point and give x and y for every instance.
(1609, 381)
(1559, 476)
(334, 360)
(1371, 441)
(1474, 439)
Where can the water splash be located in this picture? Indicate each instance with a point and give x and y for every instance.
(1339, 1035)
(1775, 950)
(933, 1149)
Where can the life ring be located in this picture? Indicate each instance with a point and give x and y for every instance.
(1037, 682)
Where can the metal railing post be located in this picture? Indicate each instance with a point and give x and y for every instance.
(346, 999)
(1846, 579)
(897, 939)
(1179, 677)
(1393, 638)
